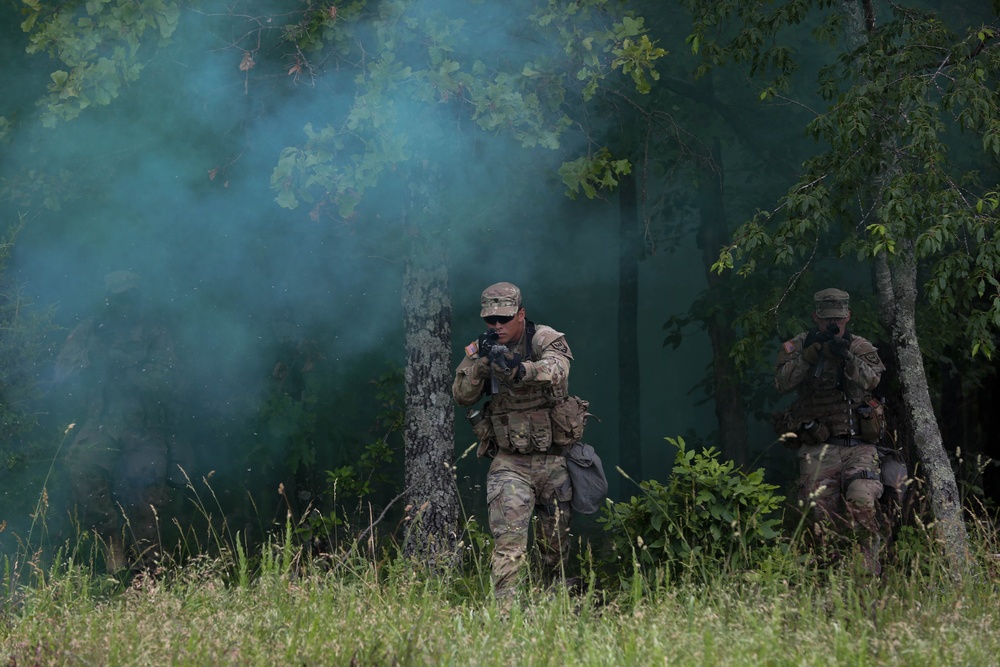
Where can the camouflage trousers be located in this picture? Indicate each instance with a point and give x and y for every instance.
(518, 486)
(839, 485)
(118, 484)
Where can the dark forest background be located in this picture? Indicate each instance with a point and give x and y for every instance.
(289, 321)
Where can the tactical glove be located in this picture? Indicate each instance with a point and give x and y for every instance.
(509, 375)
(481, 369)
(812, 353)
(817, 336)
(840, 347)
(508, 366)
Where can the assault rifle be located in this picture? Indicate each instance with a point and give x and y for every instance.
(497, 354)
(823, 337)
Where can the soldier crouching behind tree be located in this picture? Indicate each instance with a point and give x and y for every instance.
(524, 427)
(836, 423)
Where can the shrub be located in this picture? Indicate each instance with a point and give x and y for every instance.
(708, 512)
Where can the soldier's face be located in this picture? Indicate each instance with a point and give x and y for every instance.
(823, 322)
(123, 305)
(510, 330)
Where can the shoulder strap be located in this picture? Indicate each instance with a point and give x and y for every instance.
(529, 333)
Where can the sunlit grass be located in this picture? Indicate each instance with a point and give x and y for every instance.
(322, 611)
(283, 603)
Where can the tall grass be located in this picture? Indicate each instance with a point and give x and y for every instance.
(285, 605)
(217, 600)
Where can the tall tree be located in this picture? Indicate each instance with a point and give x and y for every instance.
(908, 177)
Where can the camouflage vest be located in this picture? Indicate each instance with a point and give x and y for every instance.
(527, 418)
(522, 397)
(823, 399)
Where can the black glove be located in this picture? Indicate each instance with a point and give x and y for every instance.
(506, 364)
(840, 347)
(817, 336)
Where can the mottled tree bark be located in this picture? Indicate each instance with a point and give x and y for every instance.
(429, 431)
(896, 284)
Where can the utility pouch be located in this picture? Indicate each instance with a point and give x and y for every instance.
(812, 432)
(523, 432)
(871, 420)
(569, 416)
(590, 485)
(483, 428)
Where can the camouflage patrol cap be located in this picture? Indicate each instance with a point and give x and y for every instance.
(503, 299)
(117, 282)
(832, 303)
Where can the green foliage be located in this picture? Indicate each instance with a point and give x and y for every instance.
(909, 148)
(98, 43)
(528, 100)
(351, 488)
(708, 513)
(593, 173)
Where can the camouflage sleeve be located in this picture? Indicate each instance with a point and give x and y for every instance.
(467, 389)
(75, 354)
(791, 369)
(863, 367)
(552, 365)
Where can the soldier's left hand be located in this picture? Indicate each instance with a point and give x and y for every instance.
(840, 347)
(509, 367)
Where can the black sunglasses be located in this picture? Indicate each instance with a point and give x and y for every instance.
(496, 319)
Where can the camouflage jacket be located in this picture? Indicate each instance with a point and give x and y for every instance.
(125, 378)
(546, 374)
(832, 395)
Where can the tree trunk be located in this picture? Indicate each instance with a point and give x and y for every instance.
(712, 234)
(896, 283)
(429, 432)
(897, 295)
(629, 424)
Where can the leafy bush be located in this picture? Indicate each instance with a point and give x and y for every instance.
(708, 512)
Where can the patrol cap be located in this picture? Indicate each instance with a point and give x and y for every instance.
(832, 303)
(503, 299)
(117, 282)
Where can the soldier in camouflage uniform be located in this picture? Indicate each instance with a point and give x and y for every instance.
(836, 421)
(519, 428)
(121, 369)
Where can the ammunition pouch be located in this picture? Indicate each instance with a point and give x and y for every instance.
(811, 432)
(523, 432)
(569, 416)
(483, 428)
(871, 420)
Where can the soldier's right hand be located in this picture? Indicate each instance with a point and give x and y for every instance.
(811, 354)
